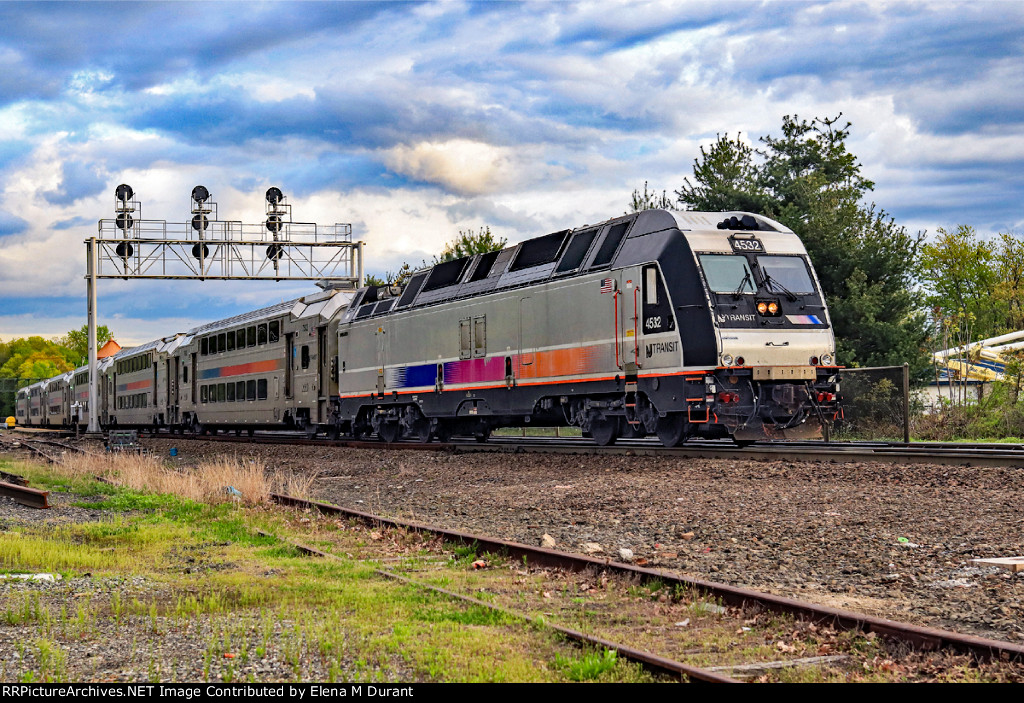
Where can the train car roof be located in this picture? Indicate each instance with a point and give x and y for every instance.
(323, 305)
(687, 220)
(556, 255)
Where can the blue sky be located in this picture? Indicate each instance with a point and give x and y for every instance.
(415, 120)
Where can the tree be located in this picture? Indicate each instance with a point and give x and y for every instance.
(77, 342)
(649, 200)
(808, 180)
(958, 270)
(467, 243)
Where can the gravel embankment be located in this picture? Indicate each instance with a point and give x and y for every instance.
(883, 539)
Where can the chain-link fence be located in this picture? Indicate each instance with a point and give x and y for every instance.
(875, 404)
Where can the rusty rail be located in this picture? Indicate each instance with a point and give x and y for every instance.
(922, 638)
(26, 496)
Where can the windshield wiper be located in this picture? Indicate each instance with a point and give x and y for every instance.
(771, 283)
(744, 282)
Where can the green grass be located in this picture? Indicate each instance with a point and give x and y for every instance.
(212, 580)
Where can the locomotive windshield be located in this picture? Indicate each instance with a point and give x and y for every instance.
(730, 273)
(788, 272)
(727, 273)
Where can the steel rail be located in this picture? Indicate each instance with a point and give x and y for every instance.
(26, 496)
(652, 662)
(930, 454)
(923, 638)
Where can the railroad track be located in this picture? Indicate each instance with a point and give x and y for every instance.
(982, 455)
(915, 637)
(940, 453)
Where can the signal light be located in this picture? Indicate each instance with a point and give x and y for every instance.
(124, 220)
(274, 252)
(200, 194)
(200, 222)
(124, 249)
(124, 192)
(274, 223)
(274, 195)
(200, 253)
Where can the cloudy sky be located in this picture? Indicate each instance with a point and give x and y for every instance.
(414, 120)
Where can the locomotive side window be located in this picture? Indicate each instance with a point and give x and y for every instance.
(726, 273)
(650, 286)
(479, 336)
(657, 312)
(465, 339)
(788, 271)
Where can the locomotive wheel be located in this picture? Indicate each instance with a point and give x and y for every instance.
(604, 431)
(390, 432)
(444, 433)
(671, 429)
(421, 431)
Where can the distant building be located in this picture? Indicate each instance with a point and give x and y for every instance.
(108, 349)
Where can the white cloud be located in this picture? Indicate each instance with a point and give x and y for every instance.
(463, 166)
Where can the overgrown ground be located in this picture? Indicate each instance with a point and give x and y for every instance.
(158, 587)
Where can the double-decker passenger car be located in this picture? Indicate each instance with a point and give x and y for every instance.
(267, 368)
(58, 401)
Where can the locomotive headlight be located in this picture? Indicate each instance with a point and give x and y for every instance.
(762, 307)
(826, 359)
(773, 307)
(726, 359)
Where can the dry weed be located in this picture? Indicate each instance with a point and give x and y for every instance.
(213, 481)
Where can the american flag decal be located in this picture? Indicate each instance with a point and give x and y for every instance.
(607, 285)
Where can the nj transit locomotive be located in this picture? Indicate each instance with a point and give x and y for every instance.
(679, 324)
